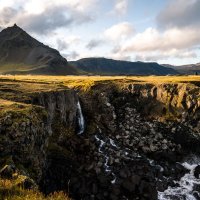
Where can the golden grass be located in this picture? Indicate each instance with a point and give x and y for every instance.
(85, 82)
(10, 191)
(86, 79)
(20, 87)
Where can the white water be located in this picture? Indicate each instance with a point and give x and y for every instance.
(107, 168)
(81, 121)
(101, 143)
(186, 184)
(113, 143)
(114, 148)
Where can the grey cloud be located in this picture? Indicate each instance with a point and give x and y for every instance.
(46, 21)
(94, 43)
(180, 13)
(73, 55)
(116, 49)
(62, 45)
(7, 14)
(52, 18)
(150, 58)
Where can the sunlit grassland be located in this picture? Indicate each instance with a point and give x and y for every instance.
(17, 87)
(73, 80)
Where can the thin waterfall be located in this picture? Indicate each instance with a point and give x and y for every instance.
(81, 121)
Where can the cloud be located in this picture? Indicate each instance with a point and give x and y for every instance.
(176, 35)
(152, 44)
(116, 33)
(153, 40)
(62, 45)
(94, 43)
(119, 31)
(7, 14)
(120, 57)
(73, 55)
(49, 17)
(156, 56)
(65, 43)
(180, 13)
(120, 7)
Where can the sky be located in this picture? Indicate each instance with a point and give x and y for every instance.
(163, 31)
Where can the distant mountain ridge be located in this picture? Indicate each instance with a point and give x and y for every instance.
(186, 69)
(104, 66)
(22, 54)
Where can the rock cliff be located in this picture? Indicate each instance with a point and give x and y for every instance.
(131, 145)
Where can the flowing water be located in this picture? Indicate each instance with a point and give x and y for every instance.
(112, 150)
(81, 121)
(186, 187)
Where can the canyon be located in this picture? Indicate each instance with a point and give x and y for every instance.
(102, 137)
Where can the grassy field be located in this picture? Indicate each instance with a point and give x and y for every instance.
(16, 88)
(78, 80)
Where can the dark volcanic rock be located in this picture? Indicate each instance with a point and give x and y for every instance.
(197, 172)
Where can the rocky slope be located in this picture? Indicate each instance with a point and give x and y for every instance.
(115, 140)
(103, 66)
(22, 54)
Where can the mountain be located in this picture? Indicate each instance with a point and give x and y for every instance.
(103, 66)
(22, 54)
(186, 69)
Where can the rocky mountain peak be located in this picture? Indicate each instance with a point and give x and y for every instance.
(16, 34)
(20, 53)
(11, 31)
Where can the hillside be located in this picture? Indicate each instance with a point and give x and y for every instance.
(22, 54)
(103, 66)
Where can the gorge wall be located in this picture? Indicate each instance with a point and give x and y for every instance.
(114, 141)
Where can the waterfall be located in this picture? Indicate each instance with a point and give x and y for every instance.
(81, 121)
